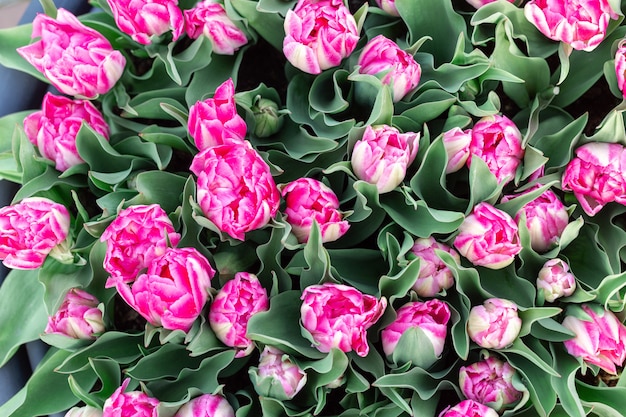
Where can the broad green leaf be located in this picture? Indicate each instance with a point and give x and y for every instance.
(10, 40)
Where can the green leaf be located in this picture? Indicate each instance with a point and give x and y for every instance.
(159, 187)
(164, 363)
(268, 25)
(10, 40)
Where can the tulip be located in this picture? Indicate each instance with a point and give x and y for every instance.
(309, 200)
(468, 408)
(382, 57)
(137, 236)
(209, 18)
(555, 280)
(596, 175)
(581, 24)
(78, 316)
(383, 155)
(235, 188)
(77, 60)
(86, 411)
(31, 230)
(620, 67)
(235, 303)
(319, 34)
(277, 376)
(53, 129)
(479, 3)
(338, 316)
(495, 324)
(431, 318)
(599, 337)
(456, 143)
(434, 275)
(130, 404)
(488, 237)
(268, 119)
(145, 19)
(206, 405)
(491, 382)
(215, 121)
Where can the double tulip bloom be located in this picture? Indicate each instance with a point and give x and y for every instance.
(277, 376)
(206, 405)
(469, 408)
(434, 275)
(209, 18)
(555, 280)
(78, 317)
(131, 403)
(495, 324)
(144, 20)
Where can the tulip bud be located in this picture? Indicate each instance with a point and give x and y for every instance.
(456, 143)
(555, 280)
(479, 3)
(130, 404)
(620, 67)
(209, 18)
(277, 376)
(468, 408)
(207, 405)
(86, 411)
(267, 117)
(495, 324)
(78, 317)
(434, 275)
(388, 6)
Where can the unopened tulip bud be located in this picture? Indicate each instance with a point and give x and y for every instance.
(277, 376)
(267, 117)
(207, 405)
(495, 324)
(86, 411)
(468, 408)
(555, 280)
(78, 317)
(456, 143)
(434, 275)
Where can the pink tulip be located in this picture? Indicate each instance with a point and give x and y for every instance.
(235, 188)
(32, 229)
(137, 236)
(309, 200)
(86, 411)
(209, 18)
(383, 155)
(215, 121)
(277, 375)
(384, 58)
(620, 67)
(77, 60)
(600, 337)
(434, 275)
(497, 141)
(338, 316)
(319, 34)
(53, 129)
(130, 404)
(238, 300)
(468, 408)
(145, 19)
(173, 291)
(490, 382)
(431, 317)
(581, 24)
(488, 237)
(78, 316)
(596, 175)
(555, 280)
(206, 405)
(388, 6)
(457, 145)
(479, 3)
(495, 324)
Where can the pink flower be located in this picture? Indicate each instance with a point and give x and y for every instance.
(277, 376)
(488, 237)
(434, 275)
(130, 404)
(457, 145)
(137, 236)
(78, 316)
(431, 317)
(319, 35)
(145, 19)
(600, 337)
(77, 60)
(468, 408)
(173, 291)
(382, 156)
(215, 121)
(236, 190)
(86, 411)
(596, 175)
(497, 141)
(581, 24)
(338, 316)
(388, 6)
(53, 129)
(30, 230)
(555, 280)
(209, 18)
(384, 58)
(238, 300)
(495, 324)
(490, 382)
(206, 405)
(620, 67)
(309, 200)
(479, 3)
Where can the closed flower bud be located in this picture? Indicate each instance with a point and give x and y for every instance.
(206, 405)
(145, 19)
(620, 67)
(456, 143)
(434, 275)
(130, 404)
(555, 280)
(389, 6)
(267, 117)
(78, 316)
(495, 324)
(209, 18)
(277, 376)
(468, 408)
(479, 3)
(86, 411)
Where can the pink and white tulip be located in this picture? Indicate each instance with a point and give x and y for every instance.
(130, 404)
(488, 237)
(86, 411)
(600, 337)
(388, 6)
(144, 20)
(555, 280)
(620, 67)
(209, 18)
(495, 324)
(233, 306)
(77, 60)
(480, 3)
(309, 200)
(382, 57)
(383, 155)
(206, 405)
(277, 375)
(319, 34)
(78, 316)
(31, 230)
(469, 408)
(456, 142)
(338, 316)
(434, 275)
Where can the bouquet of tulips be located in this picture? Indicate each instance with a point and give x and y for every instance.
(318, 208)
